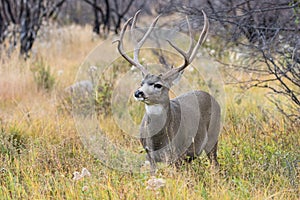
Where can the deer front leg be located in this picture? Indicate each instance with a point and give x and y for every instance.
(150, 158)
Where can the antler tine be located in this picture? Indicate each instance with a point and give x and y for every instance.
(186, 55)
(122, 52)
(120, 43)
(191, 53)
(202, 37)
(135, 60)
(133, 25)
(142, 41)
(191, 38)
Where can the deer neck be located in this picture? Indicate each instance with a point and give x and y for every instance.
(158, 117)
(158, 110)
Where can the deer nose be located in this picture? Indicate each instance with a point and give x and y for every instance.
(138, 94)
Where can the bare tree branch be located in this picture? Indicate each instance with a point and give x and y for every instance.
(21, 20)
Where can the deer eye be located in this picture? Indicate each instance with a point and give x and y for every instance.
(157, 85)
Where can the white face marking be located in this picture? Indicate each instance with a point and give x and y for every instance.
(155, 109)
(139, 99)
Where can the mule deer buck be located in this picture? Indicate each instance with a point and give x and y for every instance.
(179, 129)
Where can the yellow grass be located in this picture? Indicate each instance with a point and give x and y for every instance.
(40, 148)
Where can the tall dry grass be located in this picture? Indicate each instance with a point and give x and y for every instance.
(40, 148)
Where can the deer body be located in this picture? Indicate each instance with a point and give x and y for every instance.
(176, 130)
(181, 128)
(198, 131)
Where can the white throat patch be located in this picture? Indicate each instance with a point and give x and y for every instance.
(156, 109)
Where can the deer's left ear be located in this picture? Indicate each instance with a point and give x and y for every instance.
(173, 79)
(177, 78)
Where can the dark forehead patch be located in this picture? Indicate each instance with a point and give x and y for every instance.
(151, 79)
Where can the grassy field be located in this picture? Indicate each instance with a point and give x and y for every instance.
(40, 148)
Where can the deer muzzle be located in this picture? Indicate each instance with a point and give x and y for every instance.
(139, 95)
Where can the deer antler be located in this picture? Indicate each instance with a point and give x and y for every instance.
(191, 53)
(139, 44)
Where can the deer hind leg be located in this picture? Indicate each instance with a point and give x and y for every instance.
(212, 156)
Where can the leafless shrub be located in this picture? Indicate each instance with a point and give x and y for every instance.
(264, 35)
(20, 22)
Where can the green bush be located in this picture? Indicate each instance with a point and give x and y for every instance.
(43, 77)
(103, 96)
(12, 141)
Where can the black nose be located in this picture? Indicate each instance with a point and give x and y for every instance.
(139, 94)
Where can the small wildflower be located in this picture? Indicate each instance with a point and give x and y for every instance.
(146, 166)
(147, 163)
(60, 72)
(132, 68)
(84, 188)
(93, 69)
(212, 52)
(85, 172)
(155, 183)
(77, 176)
